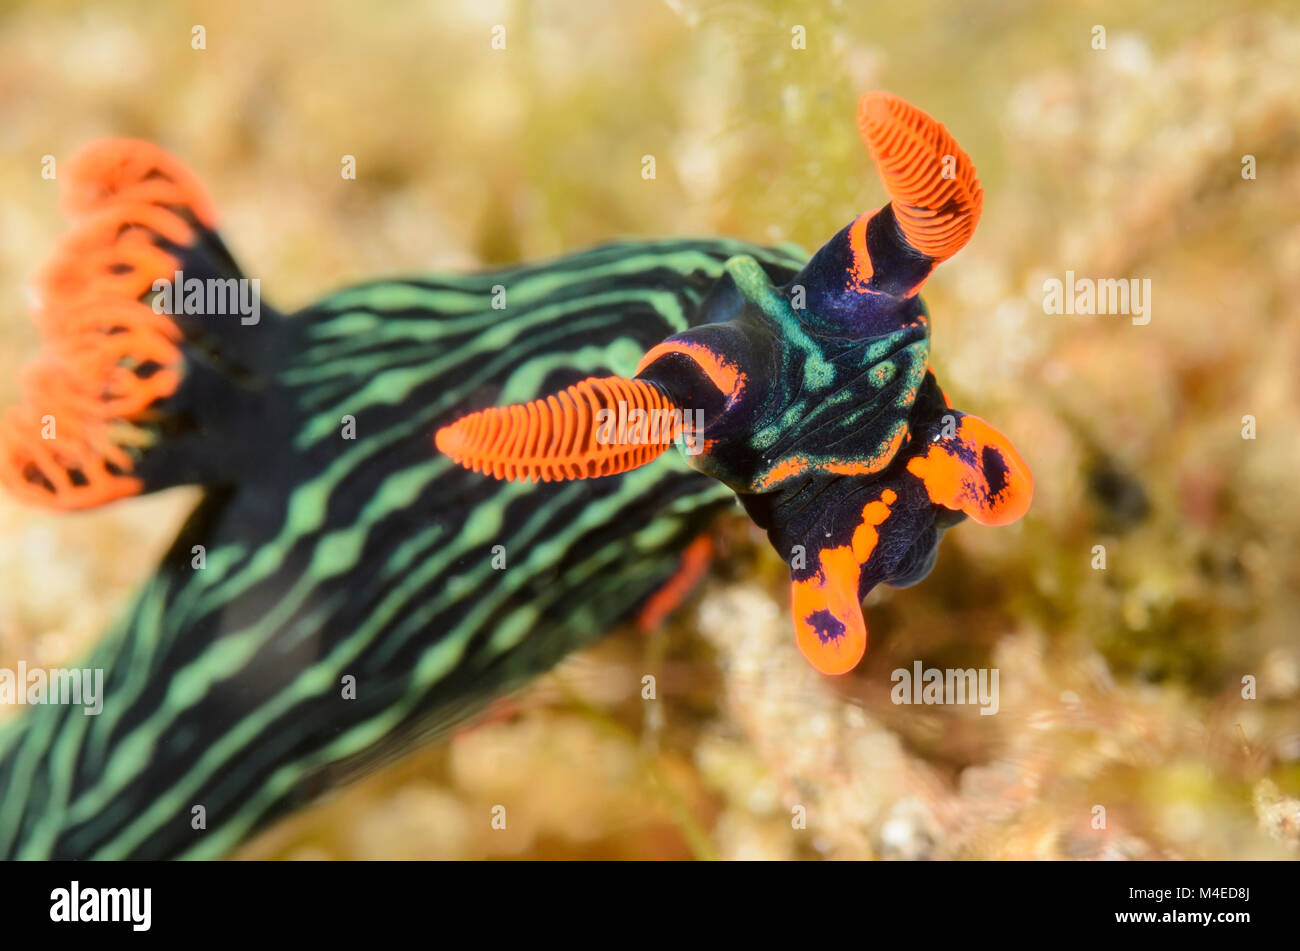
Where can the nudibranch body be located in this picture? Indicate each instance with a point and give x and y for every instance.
(820, 409)
(343, 591)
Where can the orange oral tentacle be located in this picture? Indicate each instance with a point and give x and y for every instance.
(995, 489)
(829, 628)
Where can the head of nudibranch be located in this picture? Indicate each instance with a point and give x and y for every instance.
(818, 405)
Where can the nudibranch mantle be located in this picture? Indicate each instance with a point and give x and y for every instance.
(820, 411)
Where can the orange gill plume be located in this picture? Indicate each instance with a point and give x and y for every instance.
(108, 359)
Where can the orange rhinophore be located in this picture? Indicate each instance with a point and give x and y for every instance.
(932, 185)
(598, 427)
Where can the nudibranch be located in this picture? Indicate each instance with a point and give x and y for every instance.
(819, 408)
(342, 591)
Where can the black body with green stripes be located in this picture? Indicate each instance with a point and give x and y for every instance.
(348, 548)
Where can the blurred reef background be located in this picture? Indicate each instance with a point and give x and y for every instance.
(1121, 687)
